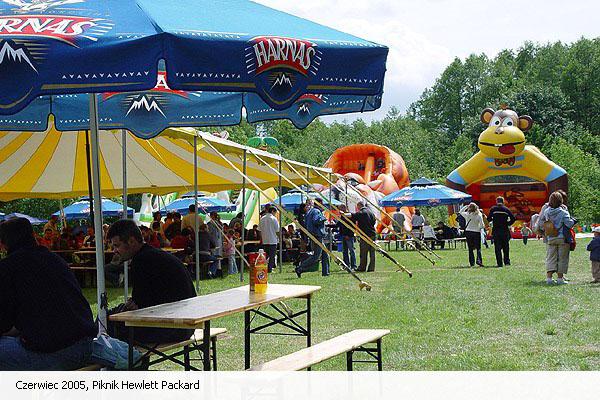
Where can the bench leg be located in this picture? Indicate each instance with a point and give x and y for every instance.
(379, 360)
(213, 342)
(349, 360)
(186, 358)
(308, 325)
(206, 346)
(130, 350)
(246, 339)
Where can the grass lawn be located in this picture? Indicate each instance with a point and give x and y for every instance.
(447, 317)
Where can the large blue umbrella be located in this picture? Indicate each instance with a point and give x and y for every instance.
(292, 200)
(83, 46)
(32, 220)
(205, 205)
(425, 192)
(81, 209)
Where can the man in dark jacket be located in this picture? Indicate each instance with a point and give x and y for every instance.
(501, 218)
(157, 278)
(45, 322)
(366, 220)
(347, 237)
(315, 224)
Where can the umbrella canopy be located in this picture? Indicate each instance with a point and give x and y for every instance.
(83, 46)
(53, 164)
(424, 192)
(81, 209)
(32, 220)
(205, 205)
(292, 200)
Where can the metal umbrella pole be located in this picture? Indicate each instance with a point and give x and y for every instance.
(244, 161)
(124, 159)
(196, 233)
(101, 285)
(280, 225)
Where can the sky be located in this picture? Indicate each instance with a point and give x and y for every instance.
(424, 36)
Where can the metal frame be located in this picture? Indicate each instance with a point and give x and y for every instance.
(285, 319)
(373, 353)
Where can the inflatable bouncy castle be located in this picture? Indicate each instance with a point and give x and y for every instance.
(506, 166)
(373, 170)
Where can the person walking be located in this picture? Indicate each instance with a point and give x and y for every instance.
(473, 226)
(347, 236)
(315, 224)
(554, 219)
(525, 233)
(501, 218)
(366, 220)
(594, 248)
(269, 232)
(215, 230)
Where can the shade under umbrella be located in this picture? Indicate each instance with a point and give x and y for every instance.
(425, 192)
(292, 200)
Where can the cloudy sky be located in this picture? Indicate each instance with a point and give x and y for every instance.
(424, 36)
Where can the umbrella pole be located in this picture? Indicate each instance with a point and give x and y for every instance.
(126, 263)
(243, 216)
(89, 176)
(196, 233)
(102, 298)
(280, 225)
(330, 230)
(63, 220)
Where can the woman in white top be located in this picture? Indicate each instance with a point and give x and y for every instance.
(473, 226)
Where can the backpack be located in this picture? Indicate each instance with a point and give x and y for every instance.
(569, 234)
(549, 229)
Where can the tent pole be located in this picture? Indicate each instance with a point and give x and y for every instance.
(125, 215)
(196, 234)
(63, 219)
(330, 211)
(89, 176)
(280, 225)
(97, 190)
(243, 215)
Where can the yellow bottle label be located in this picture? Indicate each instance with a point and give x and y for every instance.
(261, 278)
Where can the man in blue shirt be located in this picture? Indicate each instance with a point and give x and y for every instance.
(315, 224)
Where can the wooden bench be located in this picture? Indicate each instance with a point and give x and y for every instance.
(187, 345)
(348, 343)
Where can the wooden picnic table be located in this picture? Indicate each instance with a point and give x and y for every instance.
(198, 312)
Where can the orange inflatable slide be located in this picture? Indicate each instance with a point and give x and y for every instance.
(375, 171)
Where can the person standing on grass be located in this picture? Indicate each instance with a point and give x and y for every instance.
(347, 236)
(45, 321)
(525, 232)
(365, 219)
(473, 226)
(417, 222)
(594, 248)
(554, 219)
(315, 224)
(501, 218)
(269, 232)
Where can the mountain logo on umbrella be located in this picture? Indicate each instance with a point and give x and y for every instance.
(307, 101)
(39, 5)
(282, 67)
(8, 54)
(145, 103)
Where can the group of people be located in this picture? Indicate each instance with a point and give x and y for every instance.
(45, 321)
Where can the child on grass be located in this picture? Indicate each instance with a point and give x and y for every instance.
(229, 251)
(594, 249)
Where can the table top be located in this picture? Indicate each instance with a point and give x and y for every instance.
(93, 251)
(191, 313)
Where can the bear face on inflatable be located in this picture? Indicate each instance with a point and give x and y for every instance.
(504, 137)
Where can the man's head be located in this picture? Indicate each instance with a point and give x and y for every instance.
(16, 233)
(255, 227)
(272, 210)
(596, 231)
(360, 205)
(48, 233)
(192, 208)
(342, 208)
(90, 231)
(214, 216)
(177, 216)
(54, 219)
(555, 200)
(500, 200)
(126, 238)
(417, 211)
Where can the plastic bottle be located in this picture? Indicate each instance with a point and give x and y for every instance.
(260, 273)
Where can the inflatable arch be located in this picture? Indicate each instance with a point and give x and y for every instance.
(503, 154)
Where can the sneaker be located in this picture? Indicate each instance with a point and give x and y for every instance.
(561, 282)
(550, 281)
(480, 264)
(595, 281)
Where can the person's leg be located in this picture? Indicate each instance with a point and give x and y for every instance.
(525, 240)
(324, 264)
(564, 253)
(346, 251)
(477, 244)
(364, 248)
(596, 271)
(506, 248)
(551, 262)
(271, 254)
(371, 258)
(352, 255)
(14, 357)
(498, 249)
(312, 260)
(470, 247)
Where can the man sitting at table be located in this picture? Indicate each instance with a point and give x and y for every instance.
(45, 322)
(157, 278)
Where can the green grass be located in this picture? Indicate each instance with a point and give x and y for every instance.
(447, 317)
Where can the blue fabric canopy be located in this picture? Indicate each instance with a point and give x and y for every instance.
(32, 220)
(424, 192)
(292, 200)
(81, 209)
(205, 205)
(81, 46)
